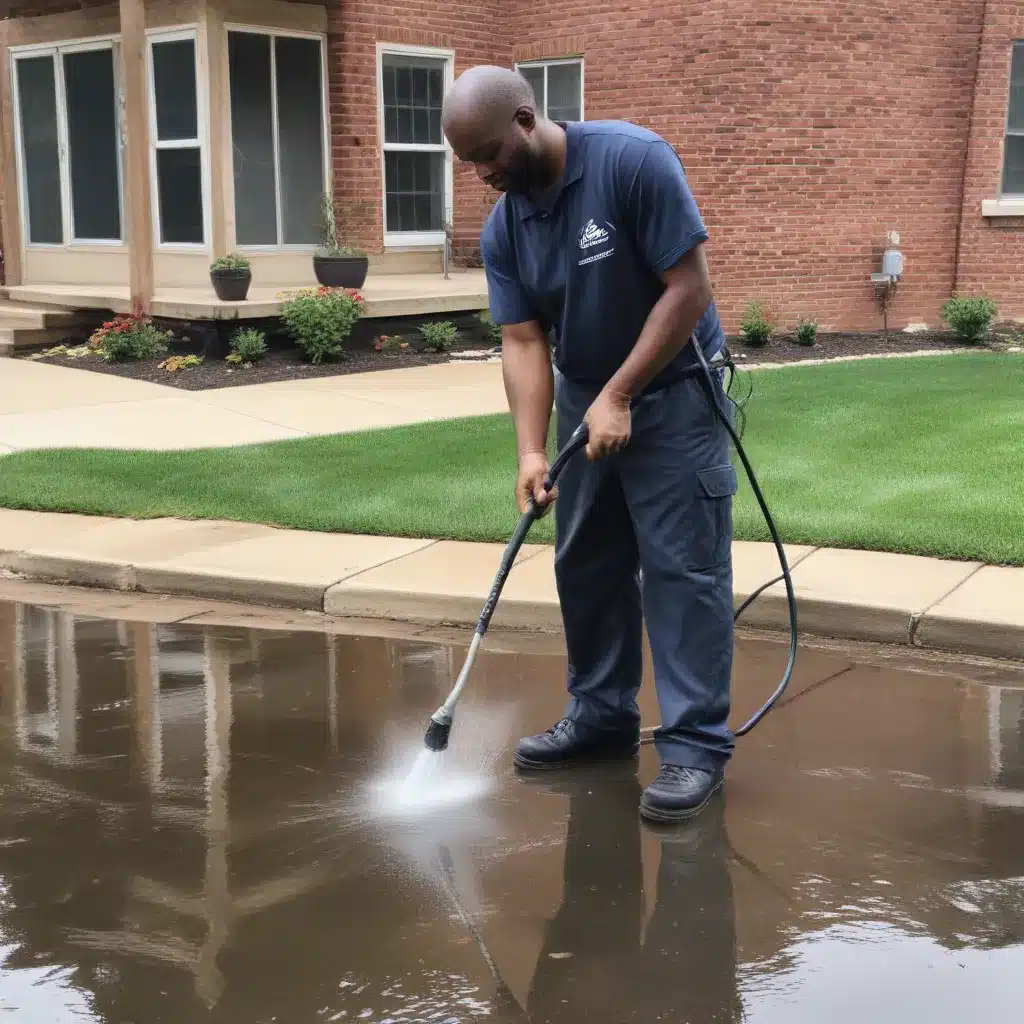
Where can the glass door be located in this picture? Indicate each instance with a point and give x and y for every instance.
(69, 145)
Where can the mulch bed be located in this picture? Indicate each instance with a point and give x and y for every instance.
(277, 365)
(844, 345)
(285, 363)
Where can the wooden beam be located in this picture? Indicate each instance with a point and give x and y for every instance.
(214, 52)
(10, 207)
(138, 189)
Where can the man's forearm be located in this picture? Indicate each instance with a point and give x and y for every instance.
(529, 386)
(667, 331)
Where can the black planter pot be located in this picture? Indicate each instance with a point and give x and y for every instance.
(341, 271)
(231, 285)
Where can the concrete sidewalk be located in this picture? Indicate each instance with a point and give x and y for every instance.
(46, 406)
(963, 607)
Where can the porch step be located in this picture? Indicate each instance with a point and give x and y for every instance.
(24, 326)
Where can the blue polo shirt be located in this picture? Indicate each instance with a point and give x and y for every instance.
(585, 260)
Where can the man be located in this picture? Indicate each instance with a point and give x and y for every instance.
(598, 238)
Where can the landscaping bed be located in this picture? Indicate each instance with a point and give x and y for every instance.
(844, 345)
(201, 355)
(277, 365)
(322, 333)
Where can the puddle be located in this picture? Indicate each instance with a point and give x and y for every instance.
(202, 824)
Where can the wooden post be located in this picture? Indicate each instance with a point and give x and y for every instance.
(214, 52)
(10, 212)
(136, 152)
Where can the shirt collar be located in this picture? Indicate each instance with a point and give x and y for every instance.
(572, 173)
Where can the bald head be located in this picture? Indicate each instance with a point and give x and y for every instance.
(490, 119)
(486, 98)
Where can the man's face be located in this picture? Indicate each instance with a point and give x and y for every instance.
(506, 158)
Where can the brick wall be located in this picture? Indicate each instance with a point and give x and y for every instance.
(475, 30)
(809, 128)
(992, 251)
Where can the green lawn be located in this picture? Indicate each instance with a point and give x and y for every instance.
(917, 455)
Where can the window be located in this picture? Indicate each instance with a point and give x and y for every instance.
(1013, 160)
(177, 148)
(557, 86)
(69, 144)
(277, 136)
(417, 160)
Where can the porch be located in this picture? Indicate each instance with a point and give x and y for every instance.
(140, 140)
(387, 295)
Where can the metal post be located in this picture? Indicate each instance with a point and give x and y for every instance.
(448, 232)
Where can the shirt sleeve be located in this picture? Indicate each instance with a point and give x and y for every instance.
(666, 221)
(506, 296)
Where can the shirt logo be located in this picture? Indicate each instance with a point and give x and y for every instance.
(590, 236)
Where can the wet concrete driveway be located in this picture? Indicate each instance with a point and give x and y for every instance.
(191, 830)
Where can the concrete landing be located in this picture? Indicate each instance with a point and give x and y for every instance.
(386, 295)
(851, 595)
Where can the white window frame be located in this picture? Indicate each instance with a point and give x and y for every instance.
(414, 239)
(55, 51)
(202, 143)
(545, 64)
(1013, 197)
(325, 127)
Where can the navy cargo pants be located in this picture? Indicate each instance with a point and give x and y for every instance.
(646, 535)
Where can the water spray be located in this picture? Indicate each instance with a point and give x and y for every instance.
(440, 728)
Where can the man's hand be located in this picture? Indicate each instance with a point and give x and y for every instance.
(533, 467)
(610, 424)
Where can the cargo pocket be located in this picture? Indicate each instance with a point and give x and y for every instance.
(716, 486)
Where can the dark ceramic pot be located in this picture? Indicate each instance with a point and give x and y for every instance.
(231, 285)
(341, 271)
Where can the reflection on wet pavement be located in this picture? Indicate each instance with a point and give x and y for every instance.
(187, 834)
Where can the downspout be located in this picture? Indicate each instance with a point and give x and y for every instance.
(967, 149)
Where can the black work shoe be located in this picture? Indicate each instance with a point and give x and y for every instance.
(679, 793)
(567, 743)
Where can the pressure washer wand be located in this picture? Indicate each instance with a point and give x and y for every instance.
(440, 728)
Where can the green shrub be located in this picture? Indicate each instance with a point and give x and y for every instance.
(493, 329)
(249, 345)
(806, 332)
(439, 336)
(129, 336)
(969, 317)
(320, 319)
(234, 262)
(757, 326)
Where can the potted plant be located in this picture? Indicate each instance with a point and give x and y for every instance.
(231, 276)
(336, 265)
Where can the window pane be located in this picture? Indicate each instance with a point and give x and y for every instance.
(412, 109)
(1016, 118)
(37, 93)
(414, 187)
(252, 138)
(180, 190)
(174, 79)
(1013, 174)
(301, 138)
(93, 145)
(535, 76)
(565, 92)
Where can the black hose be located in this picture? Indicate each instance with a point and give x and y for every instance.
(752, 476)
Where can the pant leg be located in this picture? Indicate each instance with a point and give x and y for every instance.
(679, 482)
(596, 571)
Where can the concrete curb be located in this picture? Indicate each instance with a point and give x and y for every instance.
(960, 607)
